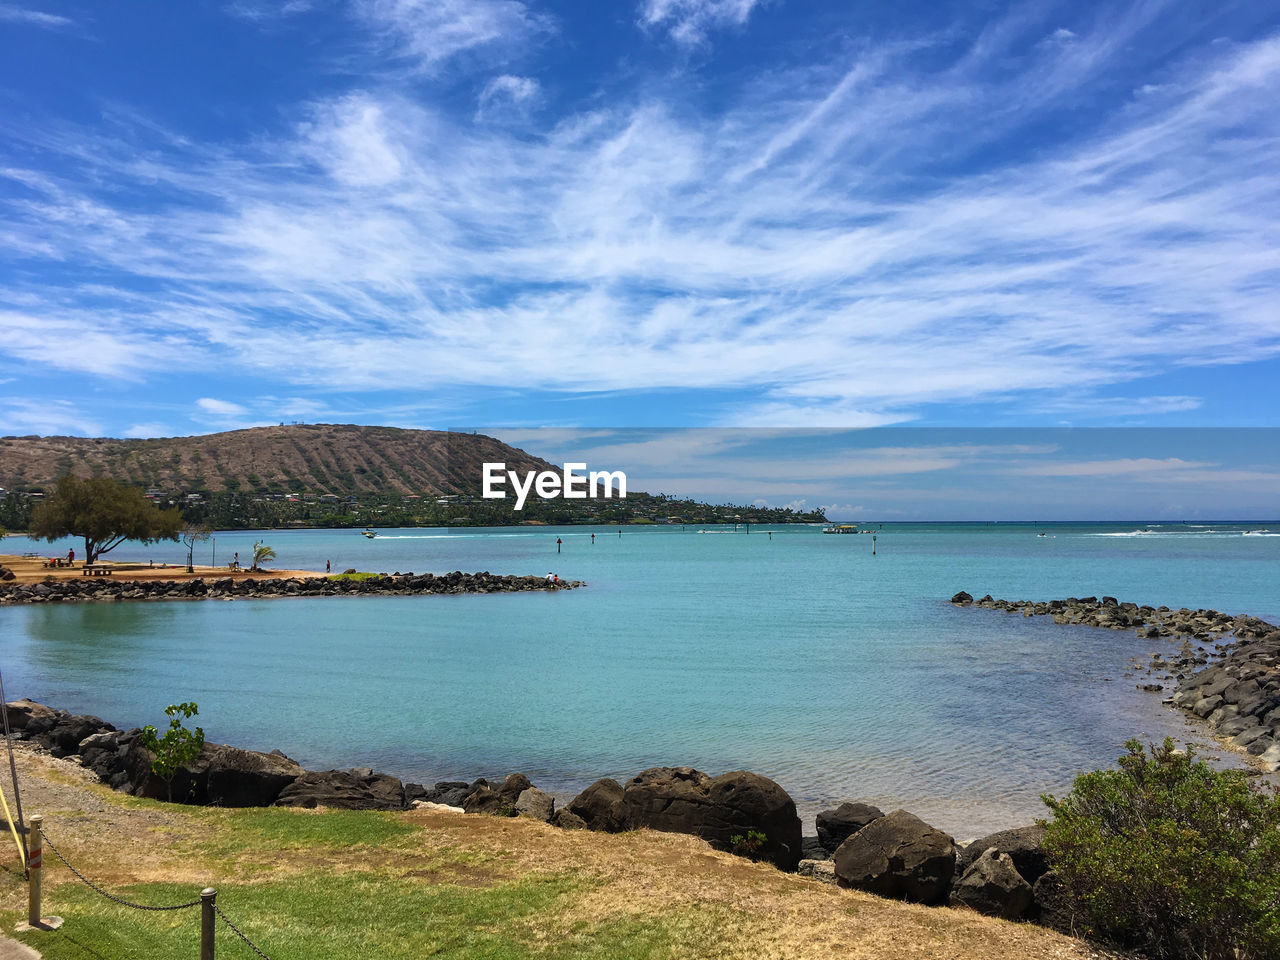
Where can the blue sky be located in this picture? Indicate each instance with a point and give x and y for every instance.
(917, 473)
(772, 214)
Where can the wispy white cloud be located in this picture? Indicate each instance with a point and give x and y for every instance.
(431, 32)
(144, 431)
(799, 249)
(259, 11)
(507, 94)
(23, 415)
(688, 21)
(221, 408)
(50, 21)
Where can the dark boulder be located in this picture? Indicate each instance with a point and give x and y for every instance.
(993, 885)
(898, 856)
(811, 849)
(566, 819)
(962, 598)
(600, 806)
(221, 776)
(342, 790)
(1023, 844)
(719, 809)
(500, 801)
(836, 826)
(1052, 906)
(63, 738)
(29, 716)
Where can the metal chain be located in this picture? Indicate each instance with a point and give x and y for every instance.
(236, 930)
(111, 896)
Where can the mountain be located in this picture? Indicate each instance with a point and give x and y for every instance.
(321, 458)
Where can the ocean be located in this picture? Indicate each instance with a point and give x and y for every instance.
(798, 655)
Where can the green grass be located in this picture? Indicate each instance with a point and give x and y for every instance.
(353, 576)
(282, 828)
(359, 915)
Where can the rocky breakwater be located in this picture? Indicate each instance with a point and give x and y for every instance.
(898, 855)
(1226, 669)
(858, 845)
(88, 590)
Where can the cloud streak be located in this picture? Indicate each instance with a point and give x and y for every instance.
(833, 246)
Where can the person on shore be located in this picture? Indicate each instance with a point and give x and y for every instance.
(235, 561)
(326, 566)
(550, 576)
(71, 556)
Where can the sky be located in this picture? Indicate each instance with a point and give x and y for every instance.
(917, 473)
(643, 213)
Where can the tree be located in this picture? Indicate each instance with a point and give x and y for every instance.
(104, 513)
(261, 554)
(192, 534)
(178, 748)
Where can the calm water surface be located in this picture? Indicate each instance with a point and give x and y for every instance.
(798, 655)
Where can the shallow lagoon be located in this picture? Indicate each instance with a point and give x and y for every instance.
(797, 655)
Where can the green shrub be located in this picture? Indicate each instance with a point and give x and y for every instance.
(1171, 856)
(748, 845)
(179, 747)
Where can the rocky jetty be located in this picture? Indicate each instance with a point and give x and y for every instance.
(859, 846)
(89, 589)
(1225, 669)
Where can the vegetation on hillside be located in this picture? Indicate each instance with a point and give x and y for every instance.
(331, 475)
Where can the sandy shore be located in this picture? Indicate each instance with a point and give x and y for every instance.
(33, 570)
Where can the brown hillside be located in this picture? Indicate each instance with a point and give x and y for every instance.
(318, 458)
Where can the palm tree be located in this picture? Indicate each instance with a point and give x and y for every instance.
(261, 554)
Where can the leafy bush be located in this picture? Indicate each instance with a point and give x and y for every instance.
(749, 845)
(1172, 857)
(179, 746)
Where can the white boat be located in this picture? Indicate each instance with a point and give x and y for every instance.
(841, 528)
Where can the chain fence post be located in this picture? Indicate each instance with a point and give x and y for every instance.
(35, 869)
(35, 864)
(208, 897)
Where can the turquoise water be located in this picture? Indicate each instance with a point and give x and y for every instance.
(801, 656)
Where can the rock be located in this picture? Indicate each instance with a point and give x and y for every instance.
(342, 790)
(221, 776)
(823, 871)
(1022, 844)
(811, 849)
(535, 804)
(993, 885)
(1051, 905)
(600, 806)
(836, 826)
(31, 716)
(566, 819)
(500, 802)
(901, 856)
(453, 792)
(962, 598)
(63, 738)
(684, 800)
